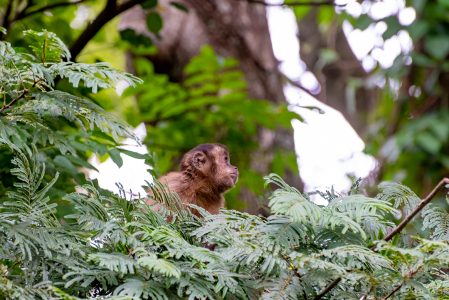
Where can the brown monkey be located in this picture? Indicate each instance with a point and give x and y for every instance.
(205, 175)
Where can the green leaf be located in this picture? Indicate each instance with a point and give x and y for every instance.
(300, 11)
(440, 128)
(363, 22)
(154, 22)
(444, 3)
(418, 29)
(422, 60)
(419, 5)
(445, 161)
(328, 56)
(149, 4)
(65, 163)
(81, 162)
(133, 153)
(437, 46)
(135, 39)
(115, 156)
(326, 15)
(159, 265)
(428, 142)
(393, 26)
(46, 46)
(179, 6)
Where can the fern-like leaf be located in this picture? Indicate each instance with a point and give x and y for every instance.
(436, 219)
(399, 195)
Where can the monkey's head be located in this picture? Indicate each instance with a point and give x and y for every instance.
(211, 163)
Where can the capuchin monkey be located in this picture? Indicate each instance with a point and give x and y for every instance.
(205, 175)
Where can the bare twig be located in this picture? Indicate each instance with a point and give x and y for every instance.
(24, 13)
(296, 3)
(110, 11)
(327, 289)
(420, 206)
(409, 276)
(393, 291)
(22, 95)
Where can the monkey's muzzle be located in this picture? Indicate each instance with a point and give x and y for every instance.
(235, 176)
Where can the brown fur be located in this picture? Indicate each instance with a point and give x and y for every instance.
(205, 175)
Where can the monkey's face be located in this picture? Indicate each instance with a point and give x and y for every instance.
(226, 174)
(212, 163)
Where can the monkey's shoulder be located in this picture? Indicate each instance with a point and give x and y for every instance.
(175, 181)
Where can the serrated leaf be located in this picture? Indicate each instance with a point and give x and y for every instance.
(159, 265)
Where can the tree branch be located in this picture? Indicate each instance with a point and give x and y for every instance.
(420, 206)
(407, 219)
(110, 11)
(327, 289)
(24, 13)
(22, 95)
(409, 276)
(393, 291)
(296, 3)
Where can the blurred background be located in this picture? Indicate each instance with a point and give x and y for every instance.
(320, 92)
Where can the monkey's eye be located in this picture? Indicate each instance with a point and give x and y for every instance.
(226, 159)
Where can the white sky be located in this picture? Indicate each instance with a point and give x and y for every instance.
(327, 146)
(131, 175)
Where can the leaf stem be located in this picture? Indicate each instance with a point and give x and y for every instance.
(14, 100)
(328, 289)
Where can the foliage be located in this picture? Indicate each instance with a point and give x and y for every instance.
(65, 128)
(112, 247)
(408, 129)
(212, 102)
(436, 219)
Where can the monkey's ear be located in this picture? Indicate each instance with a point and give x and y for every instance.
(198, 159)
